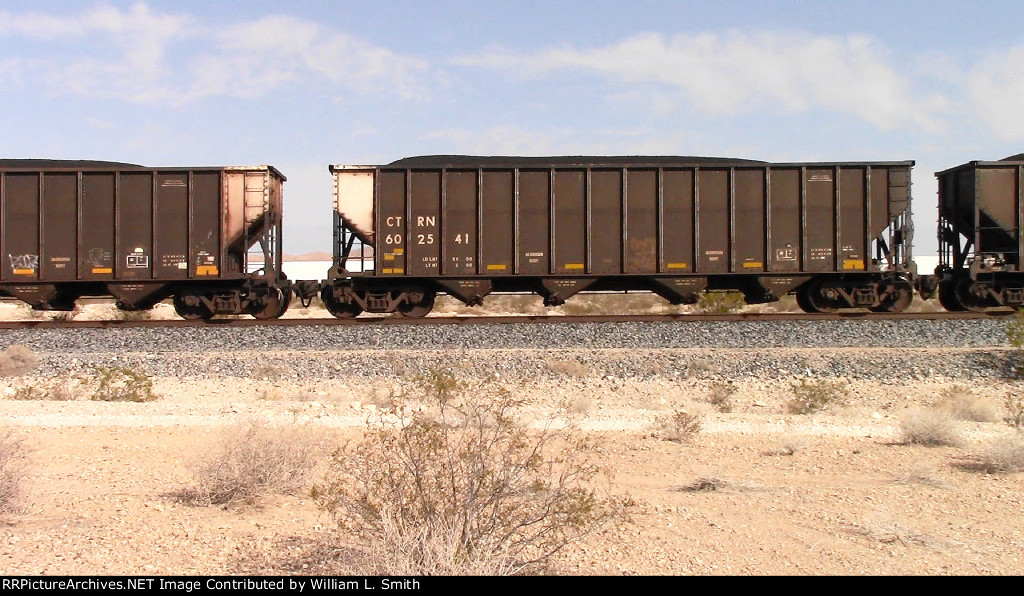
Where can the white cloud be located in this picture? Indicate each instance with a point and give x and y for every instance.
(254, 58)
(996, 86)
(736, 73)
(516, 140)
(504, 140)
(144, 56)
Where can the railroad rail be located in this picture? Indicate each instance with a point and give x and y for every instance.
(499, 320)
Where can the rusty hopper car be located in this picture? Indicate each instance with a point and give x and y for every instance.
(836, 234)
(208, 237)
(981, 208)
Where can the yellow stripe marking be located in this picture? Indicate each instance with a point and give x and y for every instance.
(24, 271)
(206, 270)
(396, 270)
(496, 267)
(853, 264)
(399, 251)
(102, 270)
(753, 265)
(574, 265)
(675, 265)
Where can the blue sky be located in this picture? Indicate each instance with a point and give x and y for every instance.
(300, 85)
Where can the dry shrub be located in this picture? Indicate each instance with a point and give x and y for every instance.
(704, 484)
(680, 427)
(720, 395)
(963, 405)
(462, 488)
(929, 426)
(17, 360)
(1004, 454)
(122, 384)
(47, 390)
(10, 473)
(810, 396)
(253, 460)
(1015, 410)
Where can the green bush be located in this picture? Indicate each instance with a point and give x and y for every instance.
(720, 395)
(680, 427)
(810, 396)
(122, 384)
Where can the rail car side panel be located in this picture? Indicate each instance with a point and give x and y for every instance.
(391, 187)
(677, 227)
(998, 208)
(496, 238)
(534, 221)
(713, 219)
(819, 215)
(204, 225)
(786, 219)
(21, 227)
(853, 237)
(60, 228)
(605, 224)
(459, 232)
(748, 235)
(134, 259)
(96, 250)
(172, 226)
(568, 238)
(642, 230)
(424, 242)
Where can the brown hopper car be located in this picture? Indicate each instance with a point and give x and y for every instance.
(836, 234)
(208, 237)
(981, 213)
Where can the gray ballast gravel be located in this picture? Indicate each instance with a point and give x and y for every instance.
(708, 350)
(745, 334)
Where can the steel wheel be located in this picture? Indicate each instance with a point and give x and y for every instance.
(810, 299)
(967, 299)
(898, 301)
(341, 310)
(948, 298)
(277, 304)
(191, 312)
(418, 309)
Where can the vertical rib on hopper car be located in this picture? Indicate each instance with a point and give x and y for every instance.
(73, 229)
(837, 234)
(981, 211)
